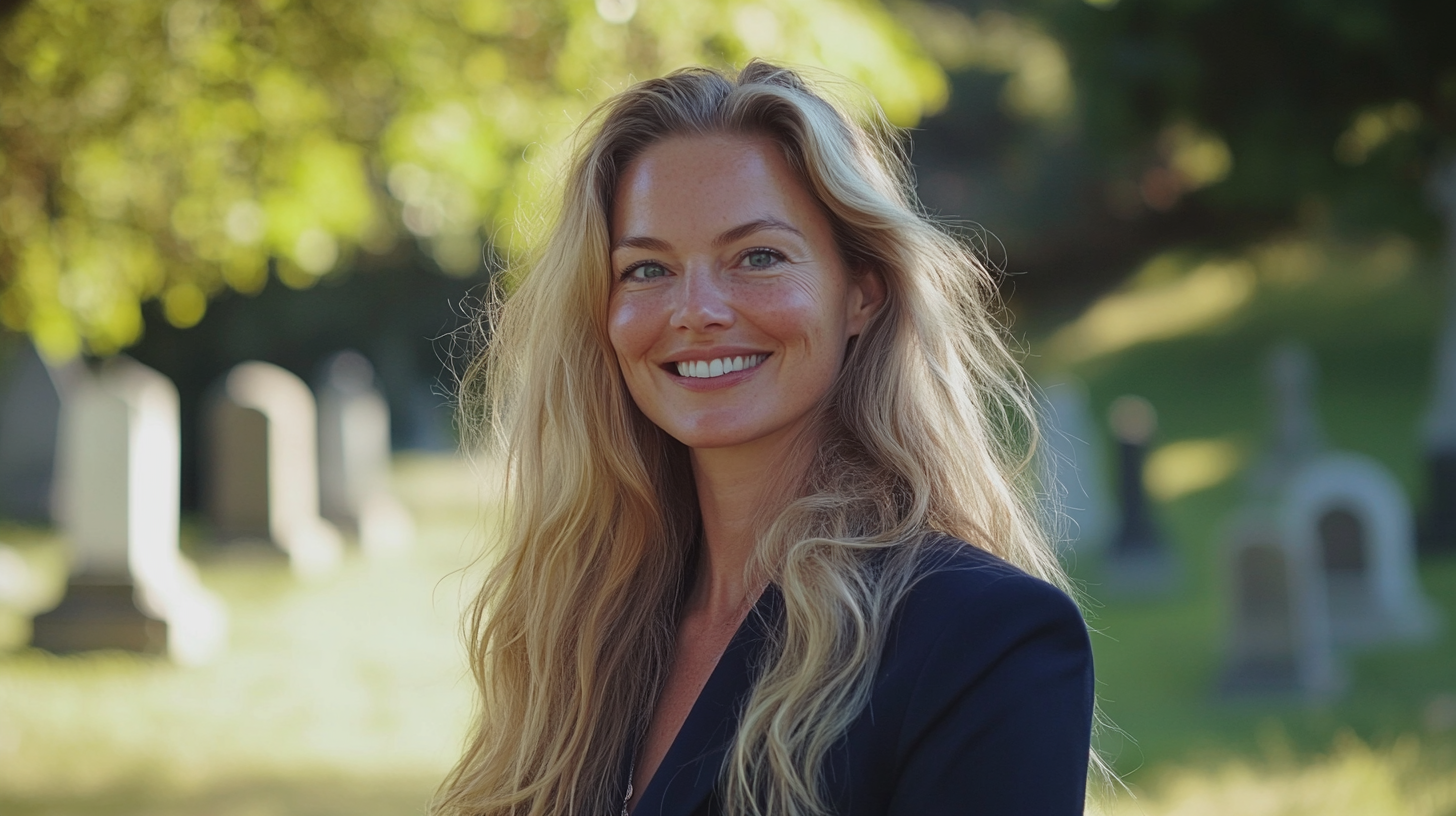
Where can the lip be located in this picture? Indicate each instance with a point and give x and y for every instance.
(669, 365)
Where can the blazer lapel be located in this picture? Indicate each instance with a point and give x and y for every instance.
(690, 771)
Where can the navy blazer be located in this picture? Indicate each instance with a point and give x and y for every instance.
(982, 704)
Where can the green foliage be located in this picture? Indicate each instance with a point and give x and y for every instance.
(1272, 105)
(172, 150)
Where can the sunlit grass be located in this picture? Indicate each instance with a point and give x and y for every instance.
(1406, 778)
(346, 695)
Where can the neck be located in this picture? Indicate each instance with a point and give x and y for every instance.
(737, 488)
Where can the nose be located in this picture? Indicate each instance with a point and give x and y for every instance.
(703, 301)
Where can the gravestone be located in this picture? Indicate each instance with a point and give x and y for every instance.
(262, 467)
(354, 457)
(1296, 435)
(1344, 532)
(1279, 638)
(1138, 561)
(1351, 515)
(1071, 465)
(30, 412)
(120, 470)
(1438, 533)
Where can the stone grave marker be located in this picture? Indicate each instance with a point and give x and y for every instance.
(1296, 435)
(1072, 466)
(1279, 640)
(1351, 515)
(1438, 533)
(354, 457)
(1138, 561)
(120, 471)
(262, 467)
(30, 413)
(1344, 533)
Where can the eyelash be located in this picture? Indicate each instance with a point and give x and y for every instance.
(778, 257)
(627, 273)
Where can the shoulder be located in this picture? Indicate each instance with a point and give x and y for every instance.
(975, 624)
(960, 586)
(978, 645)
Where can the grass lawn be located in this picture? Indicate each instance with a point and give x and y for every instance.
(348, 695)
(1389, 744)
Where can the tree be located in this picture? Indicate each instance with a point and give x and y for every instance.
(1166, 122)
(174, 150)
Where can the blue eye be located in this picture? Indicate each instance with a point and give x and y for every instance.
(761, 258)
(646, 270)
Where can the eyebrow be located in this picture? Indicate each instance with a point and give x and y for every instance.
(726, 237)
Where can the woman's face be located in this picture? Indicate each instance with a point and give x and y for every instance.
(731, 308)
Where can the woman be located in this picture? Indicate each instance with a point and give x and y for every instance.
(766, 552)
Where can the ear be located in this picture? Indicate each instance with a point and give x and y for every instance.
(865, 297)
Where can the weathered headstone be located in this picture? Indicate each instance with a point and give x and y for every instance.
(1071, 465)
(30, 412)
(1345, 535)
(1351, 515)
(262, 467)
(354, 457)
(1279, 639)
(1138, 561)
(1296, 434)
(120, 467)
(1438, 534)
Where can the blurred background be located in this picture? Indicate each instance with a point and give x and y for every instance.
(247, 238)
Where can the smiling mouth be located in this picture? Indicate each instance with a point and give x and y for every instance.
(704, 369)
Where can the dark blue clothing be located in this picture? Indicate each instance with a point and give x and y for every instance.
(982, 704)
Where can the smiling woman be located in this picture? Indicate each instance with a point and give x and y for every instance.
(768, 553)
(724, 255)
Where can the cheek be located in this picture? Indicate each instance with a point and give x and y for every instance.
(630, 327)
(800, 316)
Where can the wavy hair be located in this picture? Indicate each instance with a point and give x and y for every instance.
(926, 432)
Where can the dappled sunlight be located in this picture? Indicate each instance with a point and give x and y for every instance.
(1190, 465)
(1193, 302)
(179, 149)
(1353, 780)
(1039, 78)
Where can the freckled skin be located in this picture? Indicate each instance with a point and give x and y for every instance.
(780, 289)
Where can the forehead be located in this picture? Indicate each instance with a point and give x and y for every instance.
(705, 184)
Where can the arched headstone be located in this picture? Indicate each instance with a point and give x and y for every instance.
(1351, 515)
(1279, 639)
(355, 492)
(120, 471)
(262, 466)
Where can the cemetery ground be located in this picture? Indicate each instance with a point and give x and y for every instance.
(347, 695)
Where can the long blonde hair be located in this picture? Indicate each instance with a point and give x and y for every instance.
(926, 431)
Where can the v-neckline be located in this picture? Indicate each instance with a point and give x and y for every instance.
(694, 760)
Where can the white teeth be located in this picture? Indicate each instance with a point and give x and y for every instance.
(702, 369)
